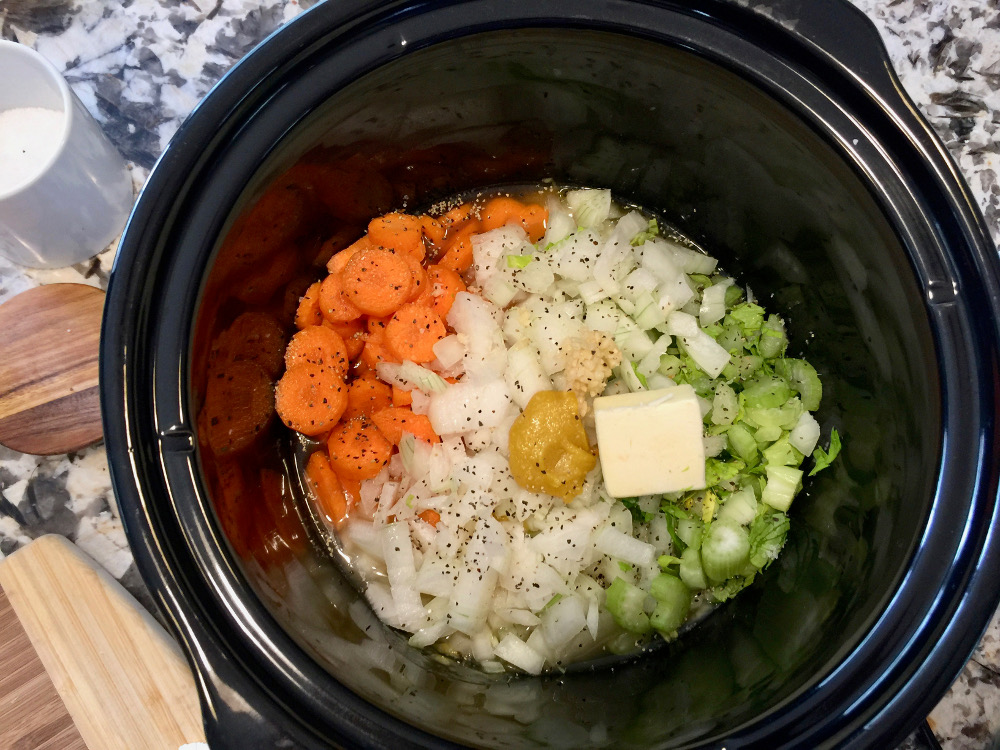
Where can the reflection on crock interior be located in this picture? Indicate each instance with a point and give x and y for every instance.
(731, 169)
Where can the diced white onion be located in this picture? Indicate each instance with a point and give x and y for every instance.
(515, 651)
(590, 207)
(621, 546)
(805, 435)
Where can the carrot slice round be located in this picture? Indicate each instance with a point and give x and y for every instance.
(357, 449)
(334, 305)
(433, 230)
(413, 332)
(401, 397)
(377, 281)
(339, 260)
(308, 312)
(458, 248)
(310, 398)
(394, 421)
(455, 217)
(401, 233)
(365, 396)
(353, 334)
(377, 350)
(320, 345)
(329, 492)
(420, 281)
(505, 210)
(444, 284)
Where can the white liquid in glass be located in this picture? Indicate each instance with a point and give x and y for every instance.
(29, 138)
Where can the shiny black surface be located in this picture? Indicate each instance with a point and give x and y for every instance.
(790, 154)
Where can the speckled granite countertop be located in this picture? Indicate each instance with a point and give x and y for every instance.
(140, 66)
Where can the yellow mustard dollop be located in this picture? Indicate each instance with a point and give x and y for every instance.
(549, 451)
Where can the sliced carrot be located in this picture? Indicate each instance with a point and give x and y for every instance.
(399, 232)
(458, 248)
(357, 449)
(394, 421)
(339, 260)
(344, 235)
(310, 398)
(308, 312)
(377, 350)
(497, 211)
(352, 489)
(377, 281)
(327, 488)
(455, 217)
(401, 397)
(239, 404)
(430, 515)
(320, 345)
(413, 332)
(353, 334)
(365, 396)
(334, 305)
(444, 285)
(420, 281)
(503, 210)
(375, 325)
(432, 230)
(534, 220)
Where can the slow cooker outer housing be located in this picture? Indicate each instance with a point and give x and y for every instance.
(818, 71)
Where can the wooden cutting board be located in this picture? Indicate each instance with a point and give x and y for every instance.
(50, 337)
(82, 665)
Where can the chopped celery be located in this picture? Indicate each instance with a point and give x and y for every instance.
(639, 375)
(691, 571)
(670, 365)
(518, 261)
(725, 405)
(673, 602)
(652, 230)
(742, 368)
(749, 317)
(772, 338)
(665, 561)
(689, 531)
(731, 588)
(782, 484)
(766, 392)
(731, 338)
(717, 471)
(638, 514)
(740, 507)
(783, 417)
(822, 458)
(767, 537)
(626, 602)
(802, 376)
(733, 295)
(742, 442)
(782, 453)
(725, 550)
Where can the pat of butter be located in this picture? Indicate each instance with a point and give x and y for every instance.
(650, 442)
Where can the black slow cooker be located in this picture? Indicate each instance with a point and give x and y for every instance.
(776, 135)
